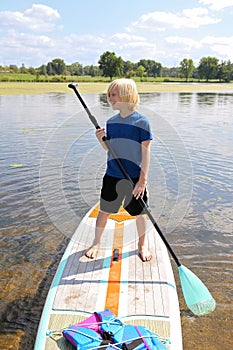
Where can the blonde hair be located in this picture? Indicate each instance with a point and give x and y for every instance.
(127, 90)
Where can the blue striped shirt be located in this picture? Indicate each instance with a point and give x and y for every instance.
(125, 136)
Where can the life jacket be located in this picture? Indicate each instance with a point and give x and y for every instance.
(103, 330)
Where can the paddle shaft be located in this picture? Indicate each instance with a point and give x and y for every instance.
(111, 150)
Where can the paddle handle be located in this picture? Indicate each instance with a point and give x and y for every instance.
(113, 153)
(91, 116)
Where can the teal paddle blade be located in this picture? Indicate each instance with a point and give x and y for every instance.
(197, 297)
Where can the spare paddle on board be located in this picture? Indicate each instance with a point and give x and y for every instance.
(196, 295)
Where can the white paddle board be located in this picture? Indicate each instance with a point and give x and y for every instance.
(139, 293)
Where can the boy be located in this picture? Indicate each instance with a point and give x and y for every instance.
(129, 135)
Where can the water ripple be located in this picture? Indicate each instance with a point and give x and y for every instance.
(48, 141)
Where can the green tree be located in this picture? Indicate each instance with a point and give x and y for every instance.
(141, 72)
(42, 70)
(59, 66)
(119, 66)
(31, 70)
(13, 68)
(129, 67)
(49, 68)
(23, 69)
(94, 71)
(186, 68)
(91, 70)
(156, 69)
(153, 69)
(56, 66)
(130, 73)
(75, 68)
(110, 64)
(225, 71)
(208, 68)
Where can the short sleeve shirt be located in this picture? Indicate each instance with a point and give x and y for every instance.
(125, 136)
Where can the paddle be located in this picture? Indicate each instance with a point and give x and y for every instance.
(197, 297)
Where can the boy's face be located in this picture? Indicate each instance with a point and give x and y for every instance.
(114, 99)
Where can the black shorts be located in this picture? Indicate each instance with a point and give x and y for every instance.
(115, 192)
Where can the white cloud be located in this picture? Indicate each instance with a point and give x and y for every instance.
(225, 52)
(188, 18)
(127, 37)
(43, 12)
(25, 40)
(222, 47)
(32, 50)
(132, 46)
(37, 18)
(142, 48)
(217, 5)
(76, 40)
(85, 49)
(224, 40)
(187, 43)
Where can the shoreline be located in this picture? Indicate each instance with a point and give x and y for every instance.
(33, 88)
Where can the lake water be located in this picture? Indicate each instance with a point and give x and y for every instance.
(51, 167)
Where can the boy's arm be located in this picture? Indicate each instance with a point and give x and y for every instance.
(140, 186)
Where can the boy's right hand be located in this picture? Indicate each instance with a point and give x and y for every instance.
(100, 133)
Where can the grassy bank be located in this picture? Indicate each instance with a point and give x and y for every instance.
(24, 88)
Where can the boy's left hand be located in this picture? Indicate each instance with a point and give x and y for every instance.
(139, 189)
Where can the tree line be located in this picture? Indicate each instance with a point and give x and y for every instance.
(109, 65)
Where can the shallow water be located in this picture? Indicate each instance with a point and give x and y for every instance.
(51, 168)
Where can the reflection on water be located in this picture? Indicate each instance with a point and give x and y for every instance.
(51, 168)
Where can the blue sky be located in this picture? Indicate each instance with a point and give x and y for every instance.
(35, 32)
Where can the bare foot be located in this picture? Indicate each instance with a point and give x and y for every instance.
(144, 253)
(91, 253)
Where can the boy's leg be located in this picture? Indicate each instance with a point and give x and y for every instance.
(99, 228)
(142, 245)
(110, 202)
(134, 208)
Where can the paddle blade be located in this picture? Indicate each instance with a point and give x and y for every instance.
(197, 297)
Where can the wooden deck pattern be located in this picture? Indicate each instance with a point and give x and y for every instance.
(141, 287)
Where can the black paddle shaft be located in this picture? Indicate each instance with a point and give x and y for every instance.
(111, 150)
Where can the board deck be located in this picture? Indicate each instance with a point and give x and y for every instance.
(141, 293)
